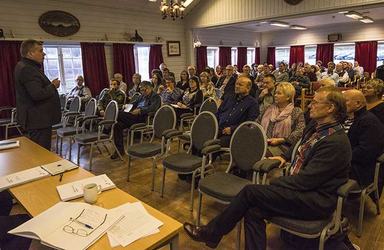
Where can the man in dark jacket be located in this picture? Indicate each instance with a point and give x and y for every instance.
(320, 167)
(148, 102)
(37, 100)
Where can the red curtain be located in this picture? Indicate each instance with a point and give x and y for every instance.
(241, 57)
(257, 55)
(324, 53)
(225, 56)
(124, 61)
(94, 66)
(155, 57)
(201, 58)
(366, 55)
(271, 58)
(296, 54)
(9, 56)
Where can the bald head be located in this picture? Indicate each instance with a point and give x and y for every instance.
(355, 100)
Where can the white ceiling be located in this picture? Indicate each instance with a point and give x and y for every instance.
(307, 21)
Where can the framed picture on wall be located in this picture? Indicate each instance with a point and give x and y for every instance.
(173, 48)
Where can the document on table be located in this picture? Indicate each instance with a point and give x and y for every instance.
(22, 177)
(135, 224)
(74, 190)
(59, 167)
(8, 144)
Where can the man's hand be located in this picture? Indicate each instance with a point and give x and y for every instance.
(226, 131)
(135, 112)
(275, 141)
(56, 82)
(281, 159)
(263, 92)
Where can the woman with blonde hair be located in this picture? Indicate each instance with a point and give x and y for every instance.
(283, 123)
(373, 91)
(206, 86)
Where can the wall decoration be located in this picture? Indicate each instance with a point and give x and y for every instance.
(59, 23)
(293, 2)
(173, 48)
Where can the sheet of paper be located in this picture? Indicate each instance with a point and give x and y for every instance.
(128, 107)
(8, 144)
(22, 177)
(59, 167)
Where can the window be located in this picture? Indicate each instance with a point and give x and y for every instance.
(344, 52)
(63, 62)
(250, 56)
(380, 54)
(281, 55)
(142, 61)
(212, 56)
(310, 54)
(234, 56)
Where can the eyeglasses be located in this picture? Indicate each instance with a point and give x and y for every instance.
(314, 102)
(85, 229)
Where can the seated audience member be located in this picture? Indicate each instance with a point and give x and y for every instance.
(123, 86)
(162, 66)
(308, 193)
(157, 82)
(282, 122)
(184, 80)
(330, 72)
(292, 70)
(218, 71)
(191, 71)
(192, 98)
(310, 73)
(260, 73)
(319, 64)
(267, 94)
(366, 135)
(136, 80)
(226, 82)
(213, 76)
(148, 102)
(9, 222)
(327, 82)
(167, 73)
(343, 75)
(80, 90)
(157, 71)
(206, 86)
(271, 67)
(373, 91)
(300, 81)
(317, 72)
(114, 93)
(359, 71)
(281, 73)
(348, 67)
(247, 73)
(236, 109)
(171, 94)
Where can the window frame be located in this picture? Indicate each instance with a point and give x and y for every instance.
(215, 56)
(137, 67)
(251, 60)
(234, 56)
(305, 54)
(340, 45)
(276, 59)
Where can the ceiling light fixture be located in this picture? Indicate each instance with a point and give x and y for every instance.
(298, 27)
(366, 19)
(353, 15)
(279, 24)
(172, 8)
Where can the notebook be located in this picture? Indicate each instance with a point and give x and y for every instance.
(74, 190)
(59, 167)
(22, 177)
(8, 144)
(68, 225)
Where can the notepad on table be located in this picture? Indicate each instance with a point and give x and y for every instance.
(22, 177)
(74, 190)
(59, 167)
(8, 144)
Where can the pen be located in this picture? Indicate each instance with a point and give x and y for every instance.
(61, 177)
(82, 223)
(7, 143)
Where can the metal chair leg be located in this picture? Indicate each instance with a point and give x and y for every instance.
(377, 201)
(361, 212)
(192, 190)
(129, 167)
(6, 132)
(153, 173)
(117, 151)
(70, 148)
(78, 154)
(57, 144)
(163, 182)
(238, 235)
(61, 146)
(322, 239)
(199, 208)
(90, 157)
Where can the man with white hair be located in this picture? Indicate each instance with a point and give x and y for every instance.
(123, 85)
(359, 71)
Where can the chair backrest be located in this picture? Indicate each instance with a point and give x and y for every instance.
(63, 101)
(204, 128)
(102, 93)
(248, 145)
(75, 104)
(111, 111)
(165, 118)
(135, 97)
(90, 107)
(209, 105)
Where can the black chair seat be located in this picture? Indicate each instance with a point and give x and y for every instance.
(5, 121)
(182, 162)
(216, 185)
(144, 150)
(301, 226)
(90, 137)
(67, 131)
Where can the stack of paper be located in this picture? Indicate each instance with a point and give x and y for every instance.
(59, 167)
(136, 223)
(22, 177)
(74, 190)
(68, 225)
(7, 144)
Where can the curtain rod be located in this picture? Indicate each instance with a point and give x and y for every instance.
(82, 41)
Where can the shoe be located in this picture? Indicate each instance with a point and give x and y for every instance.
(200, 234)
(115, 155)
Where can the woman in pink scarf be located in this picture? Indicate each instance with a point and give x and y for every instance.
(282, 122)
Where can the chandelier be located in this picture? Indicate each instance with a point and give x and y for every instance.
(172, 8)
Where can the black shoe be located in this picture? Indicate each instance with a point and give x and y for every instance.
(115, 155)
(200, 234)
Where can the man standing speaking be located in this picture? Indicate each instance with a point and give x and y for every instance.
(37, 99)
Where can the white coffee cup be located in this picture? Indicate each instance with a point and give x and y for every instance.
(91, 192)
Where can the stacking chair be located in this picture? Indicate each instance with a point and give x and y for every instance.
(63, 102)
(68, 115)
(164, 120)
(365, 192)
(208, 105)
(9, 122)
(80, 122)
(204, 130)
(94, 138)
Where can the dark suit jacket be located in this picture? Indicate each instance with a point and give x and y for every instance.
(151, 103)
(367, 140)
(37, 100)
